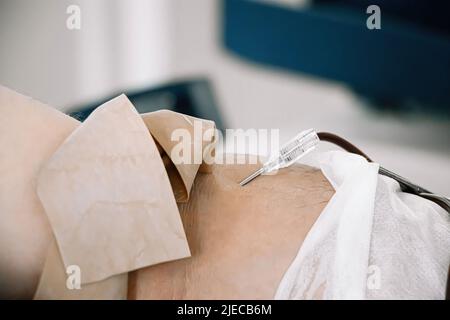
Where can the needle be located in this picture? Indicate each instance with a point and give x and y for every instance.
(289, 153)
(251, 177)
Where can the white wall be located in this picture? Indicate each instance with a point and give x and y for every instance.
(121, 44)
(135, 43)
(253, 96)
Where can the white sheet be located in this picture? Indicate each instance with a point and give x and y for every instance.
(372, 241)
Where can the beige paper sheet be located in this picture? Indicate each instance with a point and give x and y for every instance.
(30, 132)
(52, 284)
(108, 197)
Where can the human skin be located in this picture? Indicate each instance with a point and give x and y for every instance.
(242, 239)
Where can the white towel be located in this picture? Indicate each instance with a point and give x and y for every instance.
(372, 241)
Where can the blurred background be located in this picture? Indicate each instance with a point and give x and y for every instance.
(286, 64)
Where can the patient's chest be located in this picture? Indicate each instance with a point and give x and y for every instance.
(242, 239)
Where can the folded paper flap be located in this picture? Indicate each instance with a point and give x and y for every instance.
(108, 196)
(175, 131)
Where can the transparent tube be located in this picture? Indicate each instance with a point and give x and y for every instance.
(292, 151)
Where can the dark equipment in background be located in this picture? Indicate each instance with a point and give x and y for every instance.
(405, 65)
(194, 97)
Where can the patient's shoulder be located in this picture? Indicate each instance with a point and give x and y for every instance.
(242, 239)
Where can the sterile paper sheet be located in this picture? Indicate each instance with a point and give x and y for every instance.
(30, 132)
(108, 196)
(54, 280)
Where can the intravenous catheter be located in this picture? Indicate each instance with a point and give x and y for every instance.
(289, 153)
